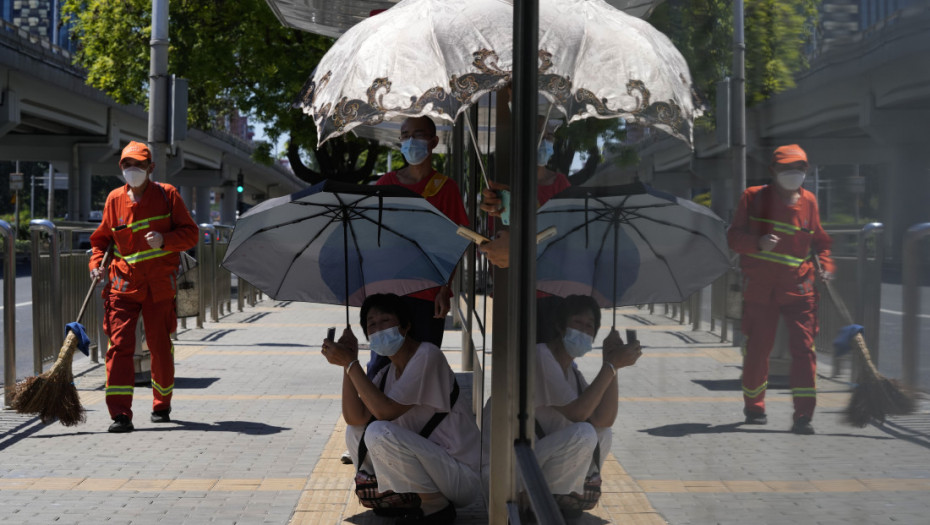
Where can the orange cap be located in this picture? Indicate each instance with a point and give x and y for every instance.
(789, 155)
(136, 150)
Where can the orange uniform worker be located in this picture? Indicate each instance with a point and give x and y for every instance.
(775, 229)
(147, 224)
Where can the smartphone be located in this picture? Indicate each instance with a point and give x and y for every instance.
(630, 336)
(505, 203)
(331, 333)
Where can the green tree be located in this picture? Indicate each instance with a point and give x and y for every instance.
(236, 56)
(777, 32)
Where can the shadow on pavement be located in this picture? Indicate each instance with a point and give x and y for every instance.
(686, 429)
(194, 382)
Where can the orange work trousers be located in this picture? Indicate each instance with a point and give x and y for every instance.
(121, 314)
(760, 323)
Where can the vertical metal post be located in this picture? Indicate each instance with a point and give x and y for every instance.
(910, 288)
(870, 286)
(158, 89)
(738, 146)
(50, 205)
(9, 311)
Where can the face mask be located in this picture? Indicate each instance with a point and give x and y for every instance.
(577, 343)
(415, 150)
(134, 176)
(790, 180)
(386, 342)
(544, 153)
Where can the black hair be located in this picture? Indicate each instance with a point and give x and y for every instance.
(429, 123)
(574, 305)
(388, 303)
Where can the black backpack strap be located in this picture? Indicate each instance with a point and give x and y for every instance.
(362, 447)
(439, 416)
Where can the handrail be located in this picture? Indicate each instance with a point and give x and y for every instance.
(910, 288)
(9, 311)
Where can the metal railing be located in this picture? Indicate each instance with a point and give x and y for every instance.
(910, 284)
(9, 312)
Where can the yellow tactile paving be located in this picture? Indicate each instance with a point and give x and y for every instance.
(310, 351)
(197, 485)
(101, 484)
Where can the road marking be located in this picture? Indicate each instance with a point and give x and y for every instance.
(895, 312)
(18, 305)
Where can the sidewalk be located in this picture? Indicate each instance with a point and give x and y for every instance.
(257, 435)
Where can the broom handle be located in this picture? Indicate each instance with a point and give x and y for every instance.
(847, 319)
(103, 264)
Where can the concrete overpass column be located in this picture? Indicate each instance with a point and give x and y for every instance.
(187, 194)
(203, 205)
(909, 178)
(228, 205)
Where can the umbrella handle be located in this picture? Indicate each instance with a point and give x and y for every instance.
(103, 264)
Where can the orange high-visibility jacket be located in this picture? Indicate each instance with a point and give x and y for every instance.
(137, 269)
(789, 265)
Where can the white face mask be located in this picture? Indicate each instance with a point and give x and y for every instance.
(544, 152)
(134, 176)
(386, 342)
(577, 343)
(790, 180)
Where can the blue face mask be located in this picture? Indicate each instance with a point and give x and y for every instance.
(414, 150)
(386, 342)
(577, 343)
(544, 153)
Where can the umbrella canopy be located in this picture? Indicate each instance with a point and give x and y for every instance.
(337, 243)
(629, 244)
(437, 57)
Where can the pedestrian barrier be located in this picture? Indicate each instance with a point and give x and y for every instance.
(9, 312)
(60, 279)
(910, 285)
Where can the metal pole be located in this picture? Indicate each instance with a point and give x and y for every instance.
(16, 210)
(9, 310)
(870, 287)
(50, 205)
(910, 287)
(158, 89)
(738, 104)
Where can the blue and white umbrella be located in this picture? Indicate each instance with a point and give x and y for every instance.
(337, 243)
(630, 244)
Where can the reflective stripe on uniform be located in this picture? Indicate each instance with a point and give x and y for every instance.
(804, 392)
(144, 223)
(782, 227)
(751, 393)
(120, 390)
(163, 390)
(778, 258)
(144, 255)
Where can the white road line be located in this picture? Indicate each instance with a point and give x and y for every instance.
(886, 311)
(18, 305)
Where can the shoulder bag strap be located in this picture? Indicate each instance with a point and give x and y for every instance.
(362, 447)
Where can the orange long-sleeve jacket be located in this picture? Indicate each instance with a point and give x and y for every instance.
(789, 265)
(137, 269)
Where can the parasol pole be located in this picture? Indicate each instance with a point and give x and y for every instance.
(345, 258)
(474, 141)
(545, 126)
(616, 261)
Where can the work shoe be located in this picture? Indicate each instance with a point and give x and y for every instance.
(121, 423)
(756, 418)
(802, 425)
(161, 416)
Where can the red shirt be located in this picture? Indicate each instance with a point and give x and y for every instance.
(137, 269)
(544, 192)
(448, 200)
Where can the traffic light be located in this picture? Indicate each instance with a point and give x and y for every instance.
(240, 185)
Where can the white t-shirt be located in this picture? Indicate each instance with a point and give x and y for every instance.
(426, 383)
(554, 388)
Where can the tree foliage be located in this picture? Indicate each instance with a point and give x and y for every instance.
(236, 56)
(776, 34)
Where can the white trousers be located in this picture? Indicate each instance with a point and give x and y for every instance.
(566, 456)
(404, 461)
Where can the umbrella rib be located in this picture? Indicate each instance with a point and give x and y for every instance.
(300, 252)
(658, 255)
(408, 239)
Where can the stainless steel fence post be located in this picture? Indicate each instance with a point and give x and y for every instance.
(910, 288)
(870, 286)
(44, 321)
(9, 312)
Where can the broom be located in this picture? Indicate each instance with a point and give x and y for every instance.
(52, 395)
(875, 396)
